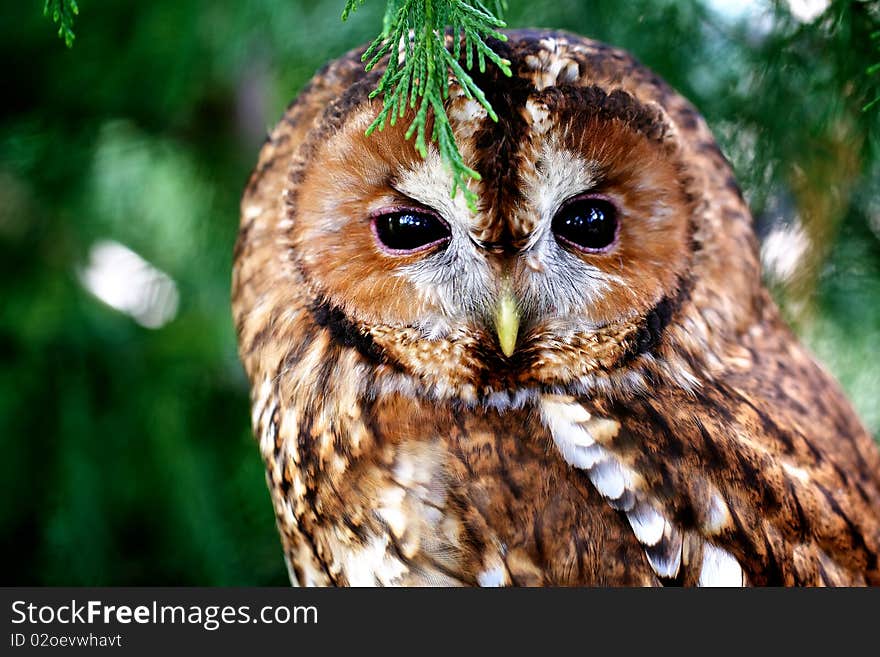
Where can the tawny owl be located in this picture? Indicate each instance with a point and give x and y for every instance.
(583, 382)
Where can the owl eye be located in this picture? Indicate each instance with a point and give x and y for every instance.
(588, 223)
(408, 231)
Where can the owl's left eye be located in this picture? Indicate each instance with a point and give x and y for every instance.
(408, 231)
(588, 223)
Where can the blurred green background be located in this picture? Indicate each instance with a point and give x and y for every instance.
(127, 456)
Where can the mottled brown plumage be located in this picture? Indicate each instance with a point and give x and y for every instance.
(656, 422)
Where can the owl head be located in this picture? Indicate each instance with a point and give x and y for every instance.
(609, 241)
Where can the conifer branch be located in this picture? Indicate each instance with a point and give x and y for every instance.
(62, 13)
(420, 63)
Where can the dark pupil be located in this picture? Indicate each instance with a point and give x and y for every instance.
(407, 231)
(590, 224)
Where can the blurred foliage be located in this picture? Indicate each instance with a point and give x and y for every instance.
(127, 451)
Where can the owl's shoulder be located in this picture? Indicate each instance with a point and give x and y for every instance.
(766, 458)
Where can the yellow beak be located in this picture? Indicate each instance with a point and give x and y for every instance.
(507, 322)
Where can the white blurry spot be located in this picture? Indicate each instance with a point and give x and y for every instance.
(733, 9)
(807, 10)
(783, 250)
(755, 14)
(123, 280)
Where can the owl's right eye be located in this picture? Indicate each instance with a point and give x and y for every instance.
(409, 231)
